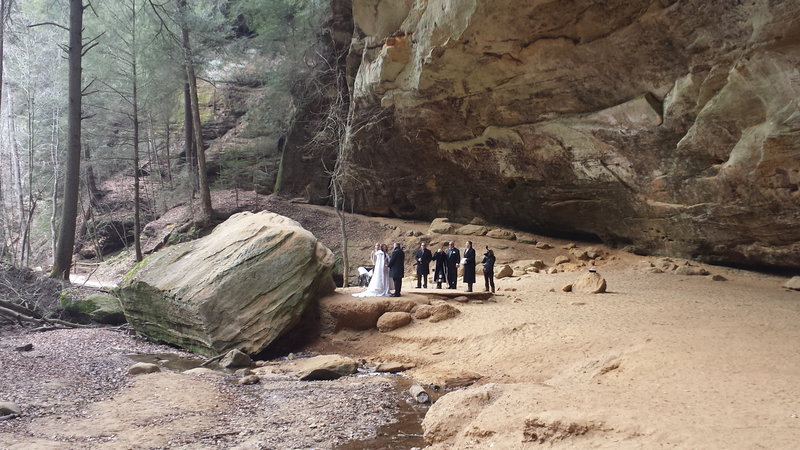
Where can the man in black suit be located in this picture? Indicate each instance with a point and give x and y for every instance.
(469, 265)
(423, 259)
(397, 268)
(453, 260)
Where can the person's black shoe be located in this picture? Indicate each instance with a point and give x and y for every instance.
(469, 290)
(418, 286)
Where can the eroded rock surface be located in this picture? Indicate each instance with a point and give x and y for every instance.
(669, 126)
(241, 287)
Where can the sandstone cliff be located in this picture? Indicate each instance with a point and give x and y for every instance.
(671, 126)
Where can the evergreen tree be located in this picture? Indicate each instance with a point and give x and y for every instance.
(66, 241)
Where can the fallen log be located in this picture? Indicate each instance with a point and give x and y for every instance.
(213, 360)
(19, 308)
(26, 318)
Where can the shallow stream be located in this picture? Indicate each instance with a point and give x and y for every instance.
(404, 433)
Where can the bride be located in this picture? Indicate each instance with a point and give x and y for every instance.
(379, 283)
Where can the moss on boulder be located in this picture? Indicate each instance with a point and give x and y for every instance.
(242, 286)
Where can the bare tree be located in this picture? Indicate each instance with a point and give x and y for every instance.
(55, 145)
(336, 132)
(202, 174)
(5, 13)
(17, 192)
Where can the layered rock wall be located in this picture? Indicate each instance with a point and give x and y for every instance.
(671, 126)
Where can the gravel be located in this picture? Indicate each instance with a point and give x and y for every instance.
(67, 370)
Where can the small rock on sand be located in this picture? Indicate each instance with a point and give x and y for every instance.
(142, 368)
(234, 359)
(589, 283)
(793, 283)
(393, 320)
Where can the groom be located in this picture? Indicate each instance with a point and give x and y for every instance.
(397, 268)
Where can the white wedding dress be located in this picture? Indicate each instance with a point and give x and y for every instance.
(379, 283)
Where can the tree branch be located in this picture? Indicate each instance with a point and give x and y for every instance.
(49, 23)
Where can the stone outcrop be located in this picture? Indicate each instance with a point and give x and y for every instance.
(668, 126)
(241, 287)
(345, 312)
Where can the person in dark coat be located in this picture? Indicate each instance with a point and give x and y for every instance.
(423, 259)
(488, 268)
(453, 260)
(440, 269)
(397, 268)
(469, 266)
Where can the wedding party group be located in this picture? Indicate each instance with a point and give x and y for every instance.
(446, 259)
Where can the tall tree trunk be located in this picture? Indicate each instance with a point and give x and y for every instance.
(54, 147)
(205, 192)
(91, 183)
(202, 173)
(2, 221)
(66, 239)
(30, 102)
(2, 217)
(16, 183)
(5, 10)
(137, 206)
(166, 149)
(188, 136)
(152, 151)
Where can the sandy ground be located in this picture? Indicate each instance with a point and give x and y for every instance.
(659, 361)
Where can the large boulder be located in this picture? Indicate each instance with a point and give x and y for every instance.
(442, 225)
(472, 230)
(242, 286)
